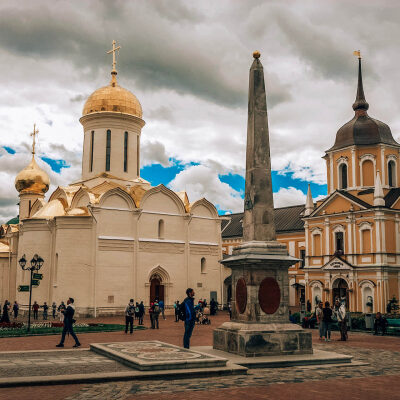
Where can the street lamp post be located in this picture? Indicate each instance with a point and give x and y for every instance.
(36, 264)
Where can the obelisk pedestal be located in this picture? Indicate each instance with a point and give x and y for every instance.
(260, 282)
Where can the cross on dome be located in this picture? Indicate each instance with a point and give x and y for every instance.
(34, 134)
(113, 51)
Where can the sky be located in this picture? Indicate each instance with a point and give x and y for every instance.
(188, 63)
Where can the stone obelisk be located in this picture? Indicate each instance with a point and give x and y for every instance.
(260, 282)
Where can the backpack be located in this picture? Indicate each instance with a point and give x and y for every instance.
(131, 310)
(182, 312)
(156, 309)
(137, 310)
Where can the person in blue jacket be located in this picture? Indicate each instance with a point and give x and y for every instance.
(190, 317)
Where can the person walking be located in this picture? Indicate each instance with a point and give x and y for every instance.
(327, 321)
(15, 309)
(380, 322)
(129, 313)
(45, 311)
(68, 323)
(176, 307)
(151, 308)
(60, 309)
(156, 313)
(340, 312)
(162, 308)
(35, 309)
(190, 317)
(213, 307)
(5, 317)
(141, 313)
(54, 309)
(319, 315)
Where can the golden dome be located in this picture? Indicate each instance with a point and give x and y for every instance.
(113, 98)
(32, 179)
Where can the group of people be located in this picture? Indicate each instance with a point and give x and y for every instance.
(327, 315)
(133, 311)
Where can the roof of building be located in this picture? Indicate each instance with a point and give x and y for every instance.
(362, 129)
(13, 221)
(391, 196)
(287, 219)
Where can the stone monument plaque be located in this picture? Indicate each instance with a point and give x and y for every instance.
(241, 295)
(269, 295)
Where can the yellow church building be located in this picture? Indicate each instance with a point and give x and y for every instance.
(349, 242)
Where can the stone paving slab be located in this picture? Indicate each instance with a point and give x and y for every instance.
(155, 355)
(319, 357)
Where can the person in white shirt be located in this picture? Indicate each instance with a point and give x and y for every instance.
(340, 311)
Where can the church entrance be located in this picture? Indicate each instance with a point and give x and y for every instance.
(156, 289)
(339, 291)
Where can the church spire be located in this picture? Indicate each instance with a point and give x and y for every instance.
(378, 191)
(360, 103)
(309, 203)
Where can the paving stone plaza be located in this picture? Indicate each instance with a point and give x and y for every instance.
(374, 373)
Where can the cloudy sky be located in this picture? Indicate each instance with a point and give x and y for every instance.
(187, 62)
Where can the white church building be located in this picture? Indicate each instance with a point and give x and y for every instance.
(111, 236)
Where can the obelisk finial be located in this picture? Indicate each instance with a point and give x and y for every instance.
(258, 222)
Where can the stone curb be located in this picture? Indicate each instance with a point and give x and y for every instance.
(230, 369)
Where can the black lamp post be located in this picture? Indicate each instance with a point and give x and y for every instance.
(36, 264)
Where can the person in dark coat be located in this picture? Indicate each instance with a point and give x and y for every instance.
(15, 309)
(190, 317)
(5, 317)
(380, 322)
(68, 323)
(141, 313)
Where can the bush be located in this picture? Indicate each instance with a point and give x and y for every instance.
(358, 322)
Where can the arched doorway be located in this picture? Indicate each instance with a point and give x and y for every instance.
(156, 288)
(340, 291)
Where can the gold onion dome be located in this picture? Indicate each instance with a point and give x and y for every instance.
(113, 98)
(32, 179)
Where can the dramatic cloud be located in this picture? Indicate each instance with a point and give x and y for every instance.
(188, 62)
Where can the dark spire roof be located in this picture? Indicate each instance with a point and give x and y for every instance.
(360, 103)
(362, 129)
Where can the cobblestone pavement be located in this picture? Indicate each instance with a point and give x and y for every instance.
(380, 379)
(56, 363)
(381, 363)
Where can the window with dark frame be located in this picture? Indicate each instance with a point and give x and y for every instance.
(108, 150)
(91, 150)
(303, 258)
(339, 242)
(343, 176)
(126, 152)
(391, 170)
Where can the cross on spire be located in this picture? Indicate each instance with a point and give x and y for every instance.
(113, 51)
(34, 134)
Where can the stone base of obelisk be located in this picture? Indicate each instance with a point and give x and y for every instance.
(260, 306)
(257, 340)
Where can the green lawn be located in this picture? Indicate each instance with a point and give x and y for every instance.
(57, 330)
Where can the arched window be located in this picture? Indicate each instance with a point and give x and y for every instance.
(126, 152)
(343, 176)
(368, 175)
(108, 150)
(316, 244)
(392, 173)
(161, 229)
(339, 242)
(203, 265)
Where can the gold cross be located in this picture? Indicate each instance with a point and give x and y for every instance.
(114, 49)
(34, 133)
(357, 53)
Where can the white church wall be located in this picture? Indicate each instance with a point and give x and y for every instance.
(115, 223)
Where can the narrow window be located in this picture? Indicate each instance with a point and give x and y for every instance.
(138, 156)
(108, 150)
(391, 173)
(91, 150)
(161, 229)
(343, 176)
(339, 242)
(126, 152)
(303, 258)
(203, 265)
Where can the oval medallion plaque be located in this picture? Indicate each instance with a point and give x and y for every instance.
(269, 295)
(241, 295)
